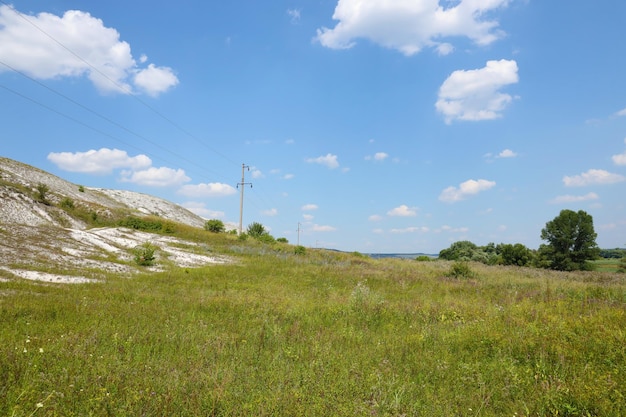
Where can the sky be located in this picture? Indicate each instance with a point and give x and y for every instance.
(374, 126)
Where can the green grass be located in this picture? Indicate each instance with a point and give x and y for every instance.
(317, 334)
(607, 265)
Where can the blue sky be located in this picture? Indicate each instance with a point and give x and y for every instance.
(372, 126)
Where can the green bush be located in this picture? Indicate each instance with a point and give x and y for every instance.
(42, 193)
(423, 258)
(299, 250)
(461, 270)
(214, 226)
(67, 203)
(282, 240)
(145, 254)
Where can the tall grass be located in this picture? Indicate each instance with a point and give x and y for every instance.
(317, 334)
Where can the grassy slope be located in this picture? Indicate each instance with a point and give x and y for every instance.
(319, 334)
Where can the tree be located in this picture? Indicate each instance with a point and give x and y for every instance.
(256, 230)
(516, 254)
(215, 226)
(571, 241)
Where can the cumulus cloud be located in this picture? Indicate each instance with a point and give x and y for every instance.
(620, 159)
(212, 189)
(156, 177)
(564, 199)
(201, 210)
(378, 156)
(410, 26)
(402, 211)
(309, 207)
(328, 160)
(507, 153)
(101, 162)
(320, 228)
(412, 229)
(474, 94)
(465, 190)
(40, 45)
(270, 212)
(592, 177)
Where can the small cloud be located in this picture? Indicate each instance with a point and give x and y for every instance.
(308, 217)
(564, 199)
(474, 94)
(290, 142)
(213, 189)
(465, 190)
(309, 207)
(402, 211)
(155, 80)
(99, 162)
(288, 176)
(320, 228)
(444, 49)
(621, 113)
(620, 159)
(256, 173)
(507, 153)
(329, 160)
(271, 212)
(201, 210)
(156, 177)
(592, 177)
(378, 156)
(450, 229)
(294, 14)
(375, 218)
(422, 229)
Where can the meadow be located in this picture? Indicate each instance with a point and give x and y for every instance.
(316, 334)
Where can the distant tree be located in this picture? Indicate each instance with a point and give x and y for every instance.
(516, 254)
(282, 240)
(571, 241)
(463, 250)
(256, 230)
(215, 226)
(622, 265)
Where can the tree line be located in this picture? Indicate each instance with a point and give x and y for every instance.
(570, 245)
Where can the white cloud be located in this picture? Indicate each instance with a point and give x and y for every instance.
(621, 113)
(507, 153)
(473, 94)
(620, 159)
(410, 26)
(40, 45)
(564, 199)
(155, 80)
(329, 160)
(308, 217)
(288, 176)
(402, 211)
(294, 15)
(412, 229)
(450, 229)
(156, 177)
(465, 190)
(271, 212)
(201, 210)
(320, 228)
(213, 189)
(375, 218)
(256, 173)
(309, 207)
(592, 177)
(378, 156)
(102, 161)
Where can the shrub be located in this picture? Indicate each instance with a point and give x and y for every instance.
(214, 226)
(42, 193)
(423, 258)
(299, 250)
(81, 189)
(67, 203)
(460, 270)
(145, 254)
(282, 240)
(256, 230)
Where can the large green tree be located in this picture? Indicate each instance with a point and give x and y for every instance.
(571, 241)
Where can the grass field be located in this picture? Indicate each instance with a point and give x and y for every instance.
(319, 334)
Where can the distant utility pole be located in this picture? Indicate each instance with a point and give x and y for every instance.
(298, 233)
(243, 184)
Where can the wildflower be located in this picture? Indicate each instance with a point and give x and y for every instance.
(40, 350)
(39, 405)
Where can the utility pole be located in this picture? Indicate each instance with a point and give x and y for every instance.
(243, 184)
(298, 233)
